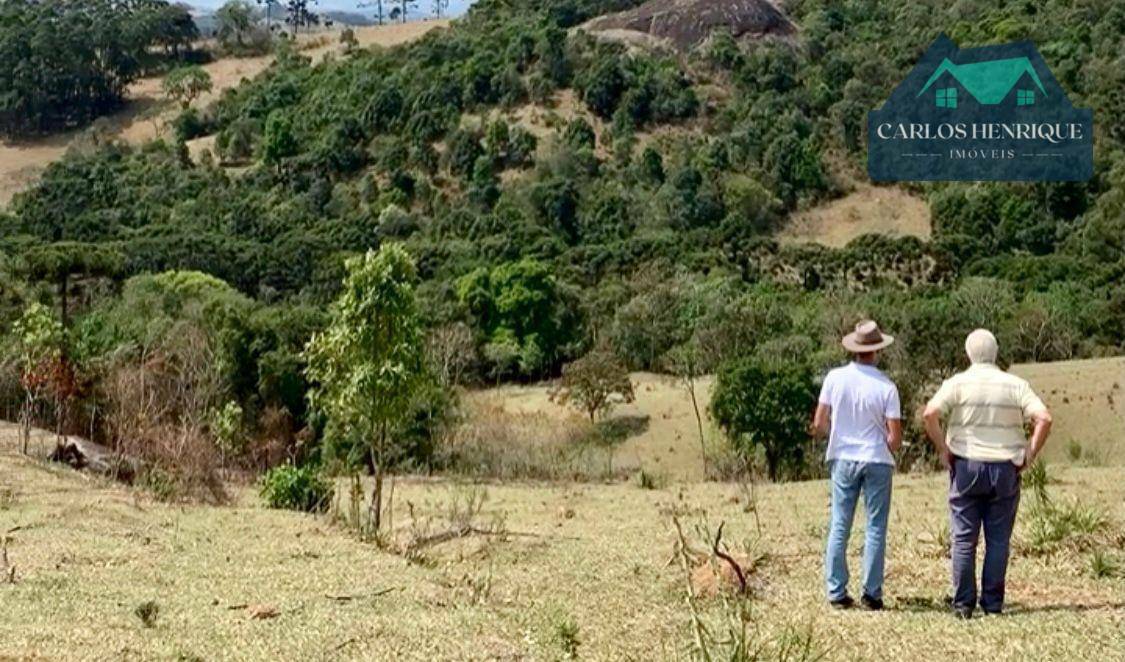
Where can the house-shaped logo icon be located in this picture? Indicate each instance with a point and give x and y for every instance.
(1011, 82)
(992, 113)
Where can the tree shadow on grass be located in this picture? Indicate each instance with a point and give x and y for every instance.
(925, 603)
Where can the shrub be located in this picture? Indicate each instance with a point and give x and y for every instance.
(189, 125)
(348, 39)
(1036, 478)
(766, 404)
(1069, 524)
(147, 612)
(1104, 566)
(565, 634)
(648, 480)
(1074, 450)
(296, 488)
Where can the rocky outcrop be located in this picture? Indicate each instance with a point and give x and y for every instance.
(86, 455)
(684, 24)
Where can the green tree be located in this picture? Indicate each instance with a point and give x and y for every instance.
(184, 84)
(63, 262)
(235, 22)
(520, 304)
(39, 343)
(69, 62)
(768, 405)
(367, 366)
(278, 142)
(591, 382)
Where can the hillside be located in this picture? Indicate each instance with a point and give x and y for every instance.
(147, 114)
(600, 579)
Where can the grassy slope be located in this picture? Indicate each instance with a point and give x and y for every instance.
(870, 209)
(1088, 406)
(1085, 396)
(669, 445)
(88, 553)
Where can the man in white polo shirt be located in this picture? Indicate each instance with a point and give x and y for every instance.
(859, 409)
(985, 450)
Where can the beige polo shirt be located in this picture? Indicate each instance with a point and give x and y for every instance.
(986, 409)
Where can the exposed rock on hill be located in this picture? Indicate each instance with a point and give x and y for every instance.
(683, 24)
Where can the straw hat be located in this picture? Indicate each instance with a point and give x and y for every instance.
(866, 338)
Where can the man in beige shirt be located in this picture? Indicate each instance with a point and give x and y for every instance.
(985, 449)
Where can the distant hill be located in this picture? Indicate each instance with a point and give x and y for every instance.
(345, 12)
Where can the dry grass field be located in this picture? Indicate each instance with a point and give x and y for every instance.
(581, 569)
(1085, 396)
(869, 209)
(1089, 408)
(666, 443)
(147, 112)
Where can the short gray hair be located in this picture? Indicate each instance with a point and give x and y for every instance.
(981, 346)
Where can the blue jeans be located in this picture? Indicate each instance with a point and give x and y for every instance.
(848, 479)
(981, 495)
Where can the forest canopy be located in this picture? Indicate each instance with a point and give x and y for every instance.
(70, 61)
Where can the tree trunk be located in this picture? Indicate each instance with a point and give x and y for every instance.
(377, 454)
(25, 422)
(377, 499)
(699, 423)
(64, 283)
(773, 460)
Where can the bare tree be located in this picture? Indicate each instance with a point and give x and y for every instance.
(451, 351)
(686, 362)
(377, 4)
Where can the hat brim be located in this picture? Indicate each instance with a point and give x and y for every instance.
(851, 344)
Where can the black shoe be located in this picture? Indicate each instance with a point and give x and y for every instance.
(991, 612)
(845, 602)
(963, 613)
(873, 604)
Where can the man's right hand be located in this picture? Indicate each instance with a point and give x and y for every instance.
(947, 458)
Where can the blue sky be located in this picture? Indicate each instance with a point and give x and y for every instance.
(456, 7)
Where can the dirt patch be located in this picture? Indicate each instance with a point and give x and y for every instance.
(146, 114)
(683, 24)
(870, 209)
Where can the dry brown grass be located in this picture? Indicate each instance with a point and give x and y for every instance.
(666, 445)
(869, 209)
(495, 442)
(1087, 399)
(88, 553)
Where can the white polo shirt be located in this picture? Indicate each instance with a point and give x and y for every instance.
(861, 398)
(986, 408)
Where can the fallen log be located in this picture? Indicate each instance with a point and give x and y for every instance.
(86, 455)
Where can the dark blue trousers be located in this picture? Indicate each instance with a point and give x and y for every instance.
(981, 495)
